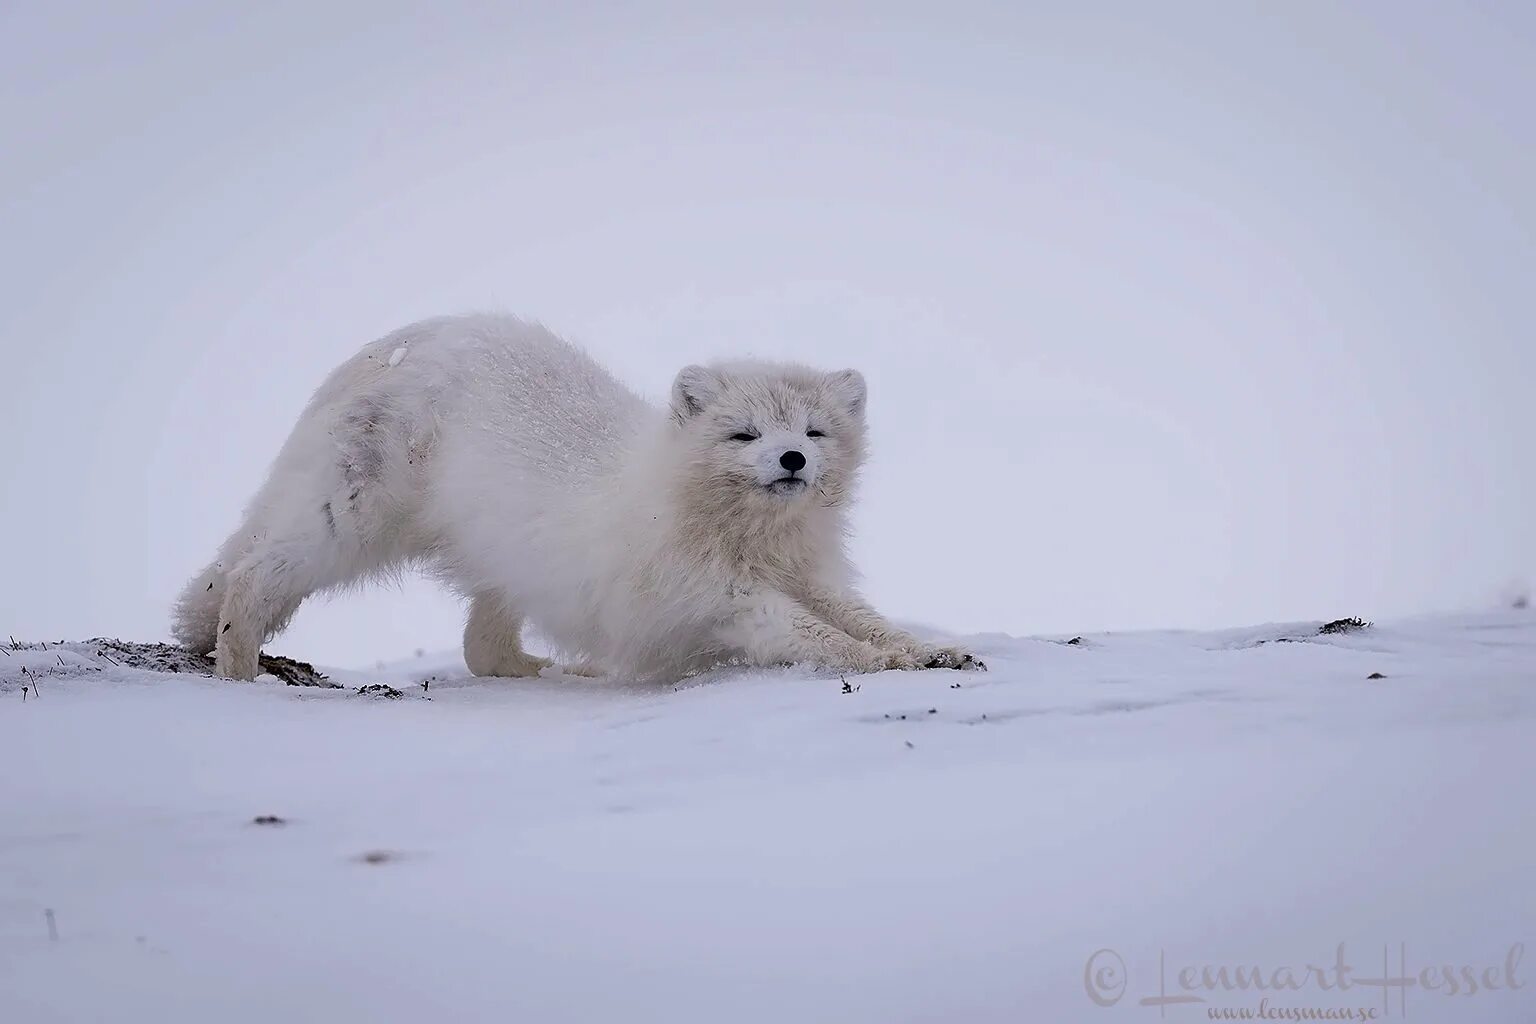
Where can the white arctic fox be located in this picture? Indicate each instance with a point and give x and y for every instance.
(502, 459)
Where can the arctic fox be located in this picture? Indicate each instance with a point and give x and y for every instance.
(505, 461)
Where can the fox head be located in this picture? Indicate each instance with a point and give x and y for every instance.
(769, 435)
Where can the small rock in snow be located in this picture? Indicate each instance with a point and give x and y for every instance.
(377, 857)
(397, 355)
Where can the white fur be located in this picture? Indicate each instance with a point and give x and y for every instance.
(505, 461)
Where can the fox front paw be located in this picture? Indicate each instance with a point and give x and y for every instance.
(905, 661)
(949, 657)
(875, 659)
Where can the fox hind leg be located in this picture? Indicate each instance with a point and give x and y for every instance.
(493, 643)
(261, 593)
(265, 587)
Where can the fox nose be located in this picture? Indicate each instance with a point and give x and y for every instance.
(792, 461)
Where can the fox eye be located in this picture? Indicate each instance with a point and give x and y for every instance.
(814, 433)
(743, 437)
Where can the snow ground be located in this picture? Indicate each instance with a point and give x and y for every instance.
(760, 846)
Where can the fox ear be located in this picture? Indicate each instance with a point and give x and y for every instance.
(848, 388)
(693, 390)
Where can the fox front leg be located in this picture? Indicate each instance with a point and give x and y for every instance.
(859, 620)
(772, 628)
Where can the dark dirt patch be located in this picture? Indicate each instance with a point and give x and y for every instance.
(296, 673)
(383, 690)
(170, 658)
(1353, 624)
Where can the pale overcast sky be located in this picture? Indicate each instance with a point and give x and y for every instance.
(1173, 314)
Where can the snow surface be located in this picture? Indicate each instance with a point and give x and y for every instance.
(761, 846)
